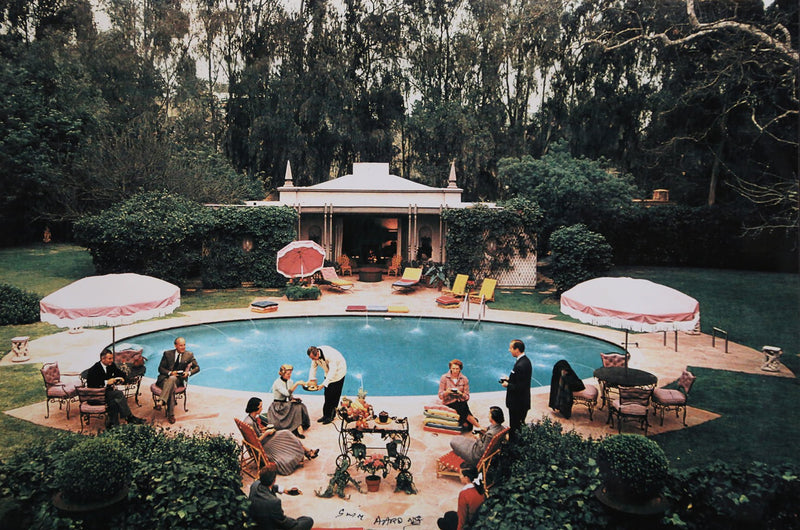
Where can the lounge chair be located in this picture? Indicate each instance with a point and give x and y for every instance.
(334, 282)
(459, 286)
(487, 291)
(410, 279)
(252, 450)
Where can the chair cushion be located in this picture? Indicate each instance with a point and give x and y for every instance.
(377, 308)
(88, 408)
(356, 308)
(589, 393)
(156, 390)
(398, 309)
(51, 374)
(450, 461)
(667, 396)
(629, 409)
(61, 391)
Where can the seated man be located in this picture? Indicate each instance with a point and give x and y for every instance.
(470, 448)
(105, 373)
(175, 367)
(265, 506)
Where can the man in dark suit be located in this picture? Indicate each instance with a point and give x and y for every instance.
(173, 371)
(104, 373)
(518, 386)
(265, 506)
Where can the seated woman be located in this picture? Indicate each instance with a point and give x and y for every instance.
(280, 446)
(470, 448)
(562, 384)
(470, 499)
(287, 412)
(454, 392)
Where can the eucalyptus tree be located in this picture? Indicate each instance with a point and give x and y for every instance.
(728, 107)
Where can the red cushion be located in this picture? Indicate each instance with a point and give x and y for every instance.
(356, 308)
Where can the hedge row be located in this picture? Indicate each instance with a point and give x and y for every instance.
(178, 240)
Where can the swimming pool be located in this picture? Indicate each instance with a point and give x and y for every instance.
(389, 356)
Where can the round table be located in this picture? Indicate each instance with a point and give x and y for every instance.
(370, 274)
(615, 376)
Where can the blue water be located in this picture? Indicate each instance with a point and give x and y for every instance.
(393, 356)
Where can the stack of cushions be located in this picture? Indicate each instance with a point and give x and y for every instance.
(441, 419)
(448, 301)
(377, 308)
(263, 306)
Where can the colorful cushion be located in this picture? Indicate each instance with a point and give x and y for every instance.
(397, 309)
(431, 420)
(441, 410)
(377, 308)
(448, 301)
(263, 306)
(440, 429)
(356, 308)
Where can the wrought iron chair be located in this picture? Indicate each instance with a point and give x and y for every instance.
(667, 399)
(180, 393)
(344, 265)
(586, 397)
(131, 362)
(92, 403)
(633, 404)
(252, 450)
(610, 360)
(394, 265)
(56, 389)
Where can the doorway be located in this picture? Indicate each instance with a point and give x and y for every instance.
(370, 240)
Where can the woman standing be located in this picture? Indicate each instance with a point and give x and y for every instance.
(280, 446)
(454, 392)
(287, 412)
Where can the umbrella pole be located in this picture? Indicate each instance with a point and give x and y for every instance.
(114, 341)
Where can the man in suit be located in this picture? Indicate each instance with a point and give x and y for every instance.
(174, 370)
(104, 373)
(518, 386)
(265, 506)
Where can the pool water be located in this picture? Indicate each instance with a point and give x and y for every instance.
(389, 356)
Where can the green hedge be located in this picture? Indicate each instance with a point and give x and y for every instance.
(17, 306)
(173, 238)
(578, 254)
(547, 478)
(178, 481)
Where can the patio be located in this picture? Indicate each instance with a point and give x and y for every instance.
(213, 410)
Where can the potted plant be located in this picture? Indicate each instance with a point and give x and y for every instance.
(633, 470)
(374, 464)
(437, 275)
(91, 476)
(297, 291)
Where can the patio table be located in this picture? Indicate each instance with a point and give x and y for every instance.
(617, 376)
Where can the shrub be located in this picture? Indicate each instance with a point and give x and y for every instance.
(546, 479)
(17, 306)
(632, 465)
(578, 254)
(94, 470)
(299, 292)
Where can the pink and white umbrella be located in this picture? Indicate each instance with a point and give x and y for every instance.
(109, 300)
(300, 258)
(631, 304)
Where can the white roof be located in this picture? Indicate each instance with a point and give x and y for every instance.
(371, 177)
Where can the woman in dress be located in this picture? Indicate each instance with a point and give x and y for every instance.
(454, 392)
(280, 446)
(287, 412)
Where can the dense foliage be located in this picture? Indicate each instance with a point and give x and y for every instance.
(547, 479)
(577, 255)
(176, 239)
(17, 306)
(177, 480)
(94, 470)
(632, 463)
(697, 97)
(481, 241)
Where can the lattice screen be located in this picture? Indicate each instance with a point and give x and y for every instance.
(522, 274)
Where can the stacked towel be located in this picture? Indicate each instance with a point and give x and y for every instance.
(263, 306)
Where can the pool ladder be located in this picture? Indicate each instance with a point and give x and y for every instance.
(481, 309)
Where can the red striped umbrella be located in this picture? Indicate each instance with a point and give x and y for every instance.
(300, 258)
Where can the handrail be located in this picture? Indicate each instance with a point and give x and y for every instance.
(465, 306)
(722, 333)
(481, 310)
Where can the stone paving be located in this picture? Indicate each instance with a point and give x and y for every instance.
(213, 410)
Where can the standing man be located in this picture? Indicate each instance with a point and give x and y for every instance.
(518, 385)
(173, 370)
(335, 368)
(105, 373)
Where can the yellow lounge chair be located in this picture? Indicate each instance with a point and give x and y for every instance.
(487, 291)
(410, 279)
(459, 286)
(330, 276)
